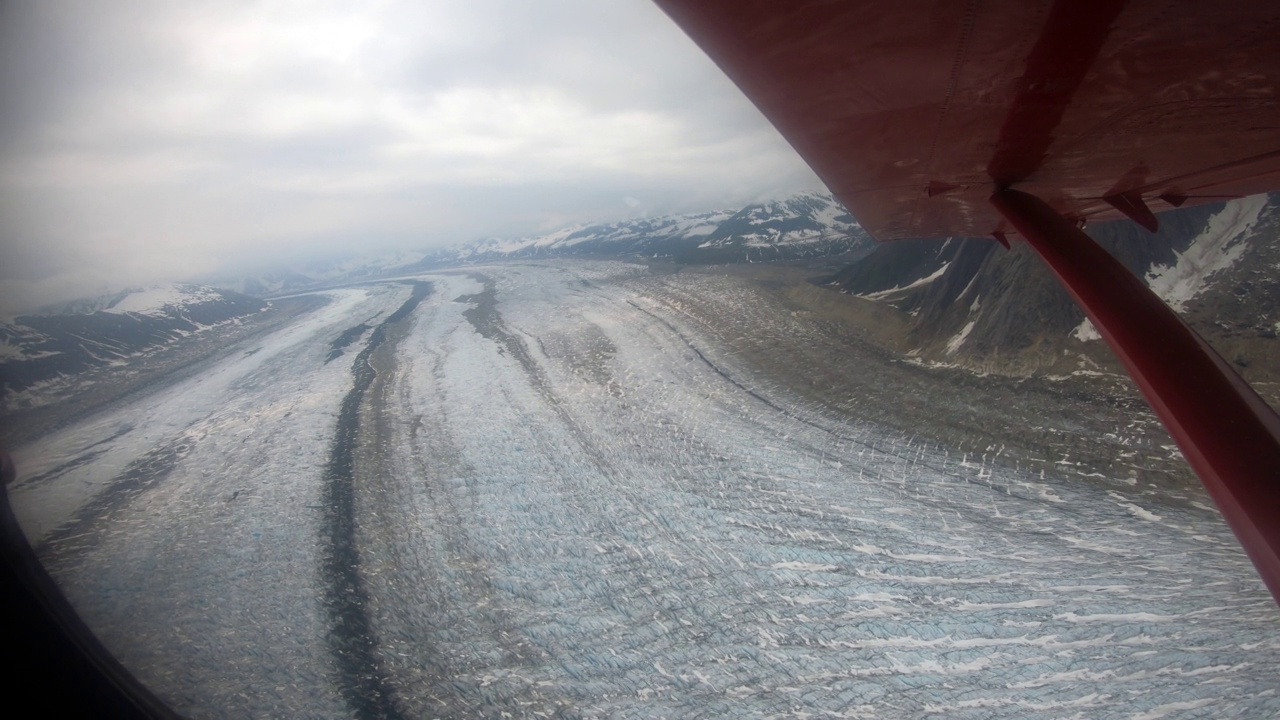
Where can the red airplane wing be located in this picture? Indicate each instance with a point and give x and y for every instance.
(914, 112)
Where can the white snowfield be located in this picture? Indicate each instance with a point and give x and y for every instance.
(155, 300)
(571, 503)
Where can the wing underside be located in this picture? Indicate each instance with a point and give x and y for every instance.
(915, 112)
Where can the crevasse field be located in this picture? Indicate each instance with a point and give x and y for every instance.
(536, 491)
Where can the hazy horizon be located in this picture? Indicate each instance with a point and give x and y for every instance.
(155, 143)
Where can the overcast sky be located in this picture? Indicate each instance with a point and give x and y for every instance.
(147, 141)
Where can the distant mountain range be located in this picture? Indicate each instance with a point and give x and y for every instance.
(63, 341)
(57, 343)
(973, 304)
(804, 225)
(966, 302)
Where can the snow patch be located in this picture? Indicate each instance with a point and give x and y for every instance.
(153, 301)
(1136, 510)
(14, 352)
(918, 283)
(1218, 247)
(968, 287)
(699, 230)
(1085, 331)
(954, 343)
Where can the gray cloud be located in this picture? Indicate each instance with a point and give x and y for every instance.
(164, 140)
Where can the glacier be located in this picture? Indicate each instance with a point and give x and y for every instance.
(569, 500)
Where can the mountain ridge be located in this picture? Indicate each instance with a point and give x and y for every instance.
(969, 303)
(802, 225)
(38, 351)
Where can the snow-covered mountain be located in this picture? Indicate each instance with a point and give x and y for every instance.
(621, 237)
(973, 304)
(799, 221)
(61, 342)
(808, 224)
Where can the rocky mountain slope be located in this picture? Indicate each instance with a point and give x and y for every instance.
(970, 303)
(40, 350)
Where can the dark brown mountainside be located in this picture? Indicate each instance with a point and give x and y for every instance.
(975, 305)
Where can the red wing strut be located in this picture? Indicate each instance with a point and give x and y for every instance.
(932, 118)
